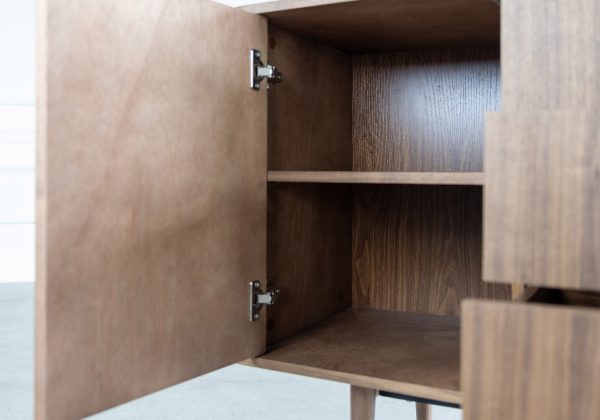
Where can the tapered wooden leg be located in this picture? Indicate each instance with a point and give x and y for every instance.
(423, 411)
(362, 403)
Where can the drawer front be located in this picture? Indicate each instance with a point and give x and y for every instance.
(530, 362)
(542, 199)
(550, 54)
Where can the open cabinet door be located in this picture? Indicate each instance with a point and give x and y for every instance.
(151, 197)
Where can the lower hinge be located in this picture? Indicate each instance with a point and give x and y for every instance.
(258, 298)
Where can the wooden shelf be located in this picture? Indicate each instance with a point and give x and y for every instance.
(361, 27)
(410, 354)
(432, 178)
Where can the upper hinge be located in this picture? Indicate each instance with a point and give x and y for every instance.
(258, 298)
(258, 71)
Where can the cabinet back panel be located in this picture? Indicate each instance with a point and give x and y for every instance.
(423, 111)
(418, 248)
(309, 254)
(310, 111)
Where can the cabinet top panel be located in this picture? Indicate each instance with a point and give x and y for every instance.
(364, 26)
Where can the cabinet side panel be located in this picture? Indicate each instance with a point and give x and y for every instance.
(310, 111)
(309, 254)
(423, 111)
(418, 249)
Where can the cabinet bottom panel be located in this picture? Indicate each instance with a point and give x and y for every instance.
(410, 354)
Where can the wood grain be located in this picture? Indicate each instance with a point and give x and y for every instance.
(151, 198)
(388, 25)
(530, 362)
(542, 207)
(348, 177)
(362, 403)
(310, 112)
(550, 54)
(309, 254)
(423, 111)
(409, 354)
(418, 249)
(423, 411)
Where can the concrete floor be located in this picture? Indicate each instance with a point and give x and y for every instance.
(233, 393)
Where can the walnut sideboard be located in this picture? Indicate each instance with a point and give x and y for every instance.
(401, 195)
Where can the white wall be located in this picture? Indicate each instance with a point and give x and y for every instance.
(17, 140)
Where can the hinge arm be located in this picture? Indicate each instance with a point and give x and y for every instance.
(259, 71)
(258, 299)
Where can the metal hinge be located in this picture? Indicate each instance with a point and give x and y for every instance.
(258, 298)
(258, 71)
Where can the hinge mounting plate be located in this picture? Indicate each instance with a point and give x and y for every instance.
(258, 71)
(258, 298)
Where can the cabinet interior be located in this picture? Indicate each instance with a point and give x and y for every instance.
(375, 157)
(562, 297)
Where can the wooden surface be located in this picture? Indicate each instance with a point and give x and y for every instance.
(418, 249)
(310, 111)
(362, 403)
(389, 25)
(518, 290)
(349, 177)
(550, 54)
(530, 362)
(423, 411)
(423, 111)
(408, 354)
(280, 5)
(309, 255)
(152, 198)
(542, 207)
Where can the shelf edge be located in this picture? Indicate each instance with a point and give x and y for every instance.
(419, 178)
(415, 390)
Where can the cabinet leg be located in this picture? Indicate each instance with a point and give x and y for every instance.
(423, 411)
(362, 403)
